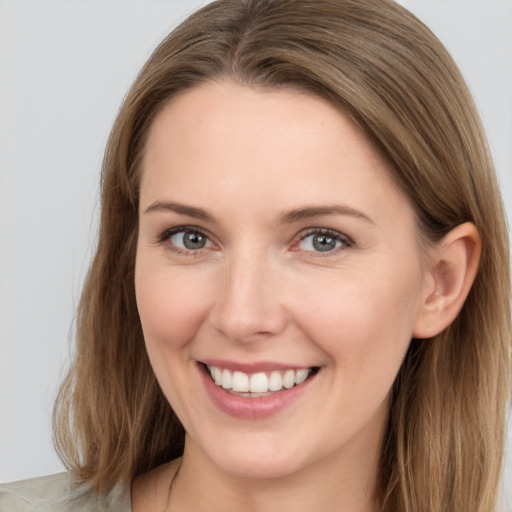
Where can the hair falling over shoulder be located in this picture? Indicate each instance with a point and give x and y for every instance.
(384, 69)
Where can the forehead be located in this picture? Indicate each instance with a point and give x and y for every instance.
(226, 112)
(226, 139)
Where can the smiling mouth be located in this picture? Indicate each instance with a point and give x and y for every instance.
(258, 384)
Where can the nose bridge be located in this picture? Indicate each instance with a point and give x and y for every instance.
(249, 304)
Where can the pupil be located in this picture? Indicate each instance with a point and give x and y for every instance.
(194, 241)
(324, 242)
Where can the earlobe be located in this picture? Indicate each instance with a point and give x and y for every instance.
(453, 269)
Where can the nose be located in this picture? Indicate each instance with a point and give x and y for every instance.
(249, 306)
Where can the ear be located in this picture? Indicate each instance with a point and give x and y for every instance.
(453, 266)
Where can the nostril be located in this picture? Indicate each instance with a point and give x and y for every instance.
(247, 307)
(247, 331)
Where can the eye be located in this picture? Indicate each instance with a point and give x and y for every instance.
(187, 239)
(323, 241)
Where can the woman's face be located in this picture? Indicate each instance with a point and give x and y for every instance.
(278, 278)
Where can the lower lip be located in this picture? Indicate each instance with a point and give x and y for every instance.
(251, 408)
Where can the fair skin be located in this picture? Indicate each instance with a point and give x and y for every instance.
(271, 240)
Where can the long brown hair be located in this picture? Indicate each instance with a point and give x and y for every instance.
(384, 69)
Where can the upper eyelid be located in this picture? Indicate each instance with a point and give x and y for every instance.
(301, 235)
(328, 231)
(167, 233)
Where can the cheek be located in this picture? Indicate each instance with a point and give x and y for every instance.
(363, 323)
(171, 305)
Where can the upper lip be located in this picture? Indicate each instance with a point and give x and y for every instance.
(253, 367)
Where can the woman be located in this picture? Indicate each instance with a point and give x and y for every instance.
(300, 295)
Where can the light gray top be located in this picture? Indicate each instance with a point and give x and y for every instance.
(61, 493)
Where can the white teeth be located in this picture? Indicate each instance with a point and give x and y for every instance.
(301, 376)
(216, 375)
(257, 383)
(227, 379)
(240, 382)
(275, 383)
(289, 379)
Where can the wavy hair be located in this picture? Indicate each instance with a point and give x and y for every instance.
(384, 69)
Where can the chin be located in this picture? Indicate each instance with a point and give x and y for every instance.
(258, 456)
(260, 467)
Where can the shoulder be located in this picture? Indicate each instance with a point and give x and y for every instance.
(60, 493)
(33, 494)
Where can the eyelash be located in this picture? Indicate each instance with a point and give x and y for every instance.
(168, 233)
(345, 240)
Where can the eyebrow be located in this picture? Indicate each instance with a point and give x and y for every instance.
(183, 209)
(289, 217)
(311, 212)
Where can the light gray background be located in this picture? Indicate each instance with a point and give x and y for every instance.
(65, 66)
